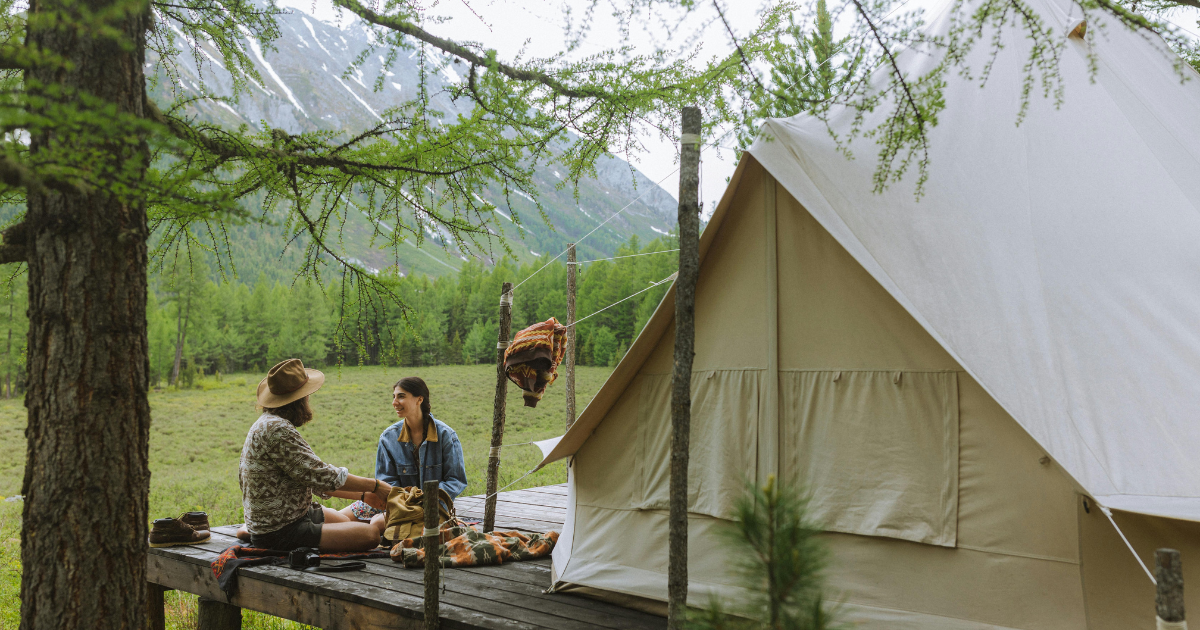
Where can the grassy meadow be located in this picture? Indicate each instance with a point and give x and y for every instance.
(196, 438)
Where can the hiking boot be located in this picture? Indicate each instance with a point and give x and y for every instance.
(198, 520)
(170, 532)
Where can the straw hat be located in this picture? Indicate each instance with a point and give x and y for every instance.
(287, 382)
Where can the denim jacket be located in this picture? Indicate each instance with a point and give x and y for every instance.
(441, 458)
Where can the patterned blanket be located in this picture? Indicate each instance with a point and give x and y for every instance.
(532, 360)
(226, 565)
(465, 546)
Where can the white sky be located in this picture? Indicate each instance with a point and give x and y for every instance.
(537, 27)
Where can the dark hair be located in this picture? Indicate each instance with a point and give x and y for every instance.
(297, 412)
(415, 386)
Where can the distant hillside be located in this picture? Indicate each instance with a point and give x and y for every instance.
(303, 90)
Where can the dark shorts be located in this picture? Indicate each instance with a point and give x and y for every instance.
(303, 532)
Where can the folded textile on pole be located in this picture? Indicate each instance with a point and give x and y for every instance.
(464, 546)
(531, 361)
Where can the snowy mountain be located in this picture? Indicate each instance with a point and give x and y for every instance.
(303, 89)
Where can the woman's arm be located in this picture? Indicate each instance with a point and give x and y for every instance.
(374, 492)
(385, 463)
(454, 469)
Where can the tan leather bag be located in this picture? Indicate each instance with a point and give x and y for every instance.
(406, 512)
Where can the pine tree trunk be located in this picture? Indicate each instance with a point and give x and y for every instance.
(83, 544)
(180, 338)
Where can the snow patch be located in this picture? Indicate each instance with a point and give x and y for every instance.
(271, 71)
(226, 106)
(663, 232)
(585, 212)
(557, 175)
(356, 97)
(534, 253)
(314, 35)
(522, 193)
(397, 86)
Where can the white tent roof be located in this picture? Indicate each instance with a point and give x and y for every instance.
(1058, 261)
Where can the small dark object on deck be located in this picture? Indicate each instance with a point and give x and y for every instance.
(431, 543)
(1168, 573)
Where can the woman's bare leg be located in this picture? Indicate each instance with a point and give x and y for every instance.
(334, 516)
(348, 512)
(348, 536)
(380, 522)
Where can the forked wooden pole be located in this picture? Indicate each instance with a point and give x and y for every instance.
(681, 375)
(1168, 598)
(493, 469)
(431, 543)
(570, 359)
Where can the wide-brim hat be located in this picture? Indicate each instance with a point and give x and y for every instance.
(287, 382)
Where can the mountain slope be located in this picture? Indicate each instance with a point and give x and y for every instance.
(303, 89)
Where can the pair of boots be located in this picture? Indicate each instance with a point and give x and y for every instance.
(189, 529)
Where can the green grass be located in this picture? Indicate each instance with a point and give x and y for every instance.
(196, 438)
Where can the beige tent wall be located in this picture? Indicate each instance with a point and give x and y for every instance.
(1003, 515)
(1119, 594)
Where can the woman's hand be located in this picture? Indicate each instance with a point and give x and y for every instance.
(380, 495)
(372, 499)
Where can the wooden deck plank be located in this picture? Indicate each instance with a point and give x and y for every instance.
(385, 594)
(315, 599)
(480, 592)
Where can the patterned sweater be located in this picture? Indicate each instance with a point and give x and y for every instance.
(279, 473)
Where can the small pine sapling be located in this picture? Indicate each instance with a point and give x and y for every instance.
(779, 560)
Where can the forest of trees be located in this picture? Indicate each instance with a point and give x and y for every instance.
(235, 326)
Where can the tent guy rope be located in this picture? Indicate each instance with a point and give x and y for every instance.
(602, 223)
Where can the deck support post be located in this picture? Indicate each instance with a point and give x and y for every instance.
(572, 266)
(493, 469)
(681, 375)
(215, 615)
(1168, 598)
(156, 613)
(431, 542)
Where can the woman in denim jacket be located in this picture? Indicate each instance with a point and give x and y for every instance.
(416, 449)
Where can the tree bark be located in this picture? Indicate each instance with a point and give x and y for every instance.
(681, 374)
(498, 410)
(86, 486)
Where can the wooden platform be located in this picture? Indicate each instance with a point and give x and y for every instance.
(386, 595)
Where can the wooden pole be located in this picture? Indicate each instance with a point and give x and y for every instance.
(431, 543)
(214, 615)
(570, 360)
(681, 375)
(493, 469)
(156, 613)
(1168, 600)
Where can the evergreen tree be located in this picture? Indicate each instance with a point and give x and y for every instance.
(809, 69)
(779, 560)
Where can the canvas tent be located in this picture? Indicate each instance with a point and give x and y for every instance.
(963, 380)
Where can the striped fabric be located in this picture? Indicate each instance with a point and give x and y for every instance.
(532, 360)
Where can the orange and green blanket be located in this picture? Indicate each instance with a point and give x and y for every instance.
(465, 546)
(532, 360)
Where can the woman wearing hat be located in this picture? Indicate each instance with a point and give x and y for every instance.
(279, 473)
